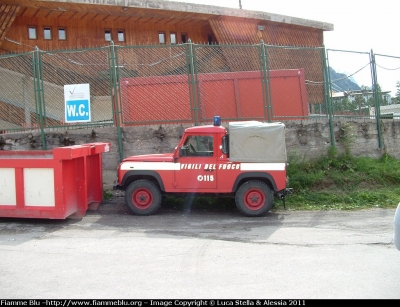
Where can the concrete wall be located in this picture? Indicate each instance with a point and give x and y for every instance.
(305, 139)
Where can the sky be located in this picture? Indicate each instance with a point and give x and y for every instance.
(359, 26)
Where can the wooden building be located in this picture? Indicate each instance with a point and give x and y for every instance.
(71, 24)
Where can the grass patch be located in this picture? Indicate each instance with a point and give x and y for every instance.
(107, 195)
(343, 182)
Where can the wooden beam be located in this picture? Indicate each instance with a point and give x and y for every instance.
(8, 12)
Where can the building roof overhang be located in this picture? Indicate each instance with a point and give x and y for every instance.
(150, 9)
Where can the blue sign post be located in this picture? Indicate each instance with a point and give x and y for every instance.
(77, 103)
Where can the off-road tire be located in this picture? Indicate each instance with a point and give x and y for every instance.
(254, 198)
(143, 197)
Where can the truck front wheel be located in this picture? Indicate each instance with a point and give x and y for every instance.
(143, 197)
(254, 198)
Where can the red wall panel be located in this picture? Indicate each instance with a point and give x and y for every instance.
(155, 99)
(229, 95)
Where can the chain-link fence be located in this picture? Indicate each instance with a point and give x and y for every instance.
(17, 93)
(76, 67)
(191, 83)
(32, 88)
(388, 79)
(364, 84)
(153, 85)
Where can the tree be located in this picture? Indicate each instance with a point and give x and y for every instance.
(397, 97)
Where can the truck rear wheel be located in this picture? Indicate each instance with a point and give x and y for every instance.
(254, 198)
(143, 197)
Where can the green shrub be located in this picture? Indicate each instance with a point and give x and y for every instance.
(343, 182)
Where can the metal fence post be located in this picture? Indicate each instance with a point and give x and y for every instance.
(266, 90)
(377, 95)
(39, 97)
(115, 95)
(327, 94)
(193, 82)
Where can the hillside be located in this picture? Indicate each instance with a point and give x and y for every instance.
(341, 82)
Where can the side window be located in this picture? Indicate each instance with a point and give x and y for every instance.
(121, 35)
(225, 144)
(183, 38)
(62, 34)
(172, 37)
(32, 32)
(161, 37)
(107, 35)
(201, 146)
(47, 33)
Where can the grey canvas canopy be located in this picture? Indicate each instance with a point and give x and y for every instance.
(254, 141)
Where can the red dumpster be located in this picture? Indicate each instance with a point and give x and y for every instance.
(52, 184)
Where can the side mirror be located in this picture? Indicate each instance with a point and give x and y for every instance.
(182, 151)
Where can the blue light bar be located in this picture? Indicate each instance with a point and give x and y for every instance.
(217, 120)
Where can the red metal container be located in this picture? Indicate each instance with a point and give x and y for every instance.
(51, 184)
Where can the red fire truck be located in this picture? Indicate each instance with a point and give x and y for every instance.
(246, 161)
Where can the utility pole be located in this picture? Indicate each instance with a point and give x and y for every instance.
(240, 4)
